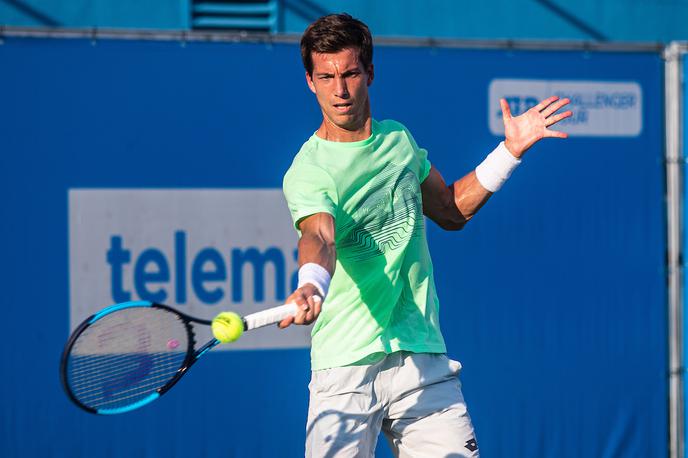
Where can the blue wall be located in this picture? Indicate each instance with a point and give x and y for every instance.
(614, 20)
(144, 14)
(684, 128)
(553, 297)
(617, 20)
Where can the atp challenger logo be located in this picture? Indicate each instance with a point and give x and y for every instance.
(600, 108)
(200, 250)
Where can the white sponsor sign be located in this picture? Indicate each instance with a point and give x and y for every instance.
(600, 108)
(201, 251)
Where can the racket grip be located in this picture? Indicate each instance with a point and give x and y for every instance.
(269, 316)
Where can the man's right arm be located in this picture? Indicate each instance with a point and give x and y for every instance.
(316, 246)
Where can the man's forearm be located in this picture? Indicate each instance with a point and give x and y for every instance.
(316, 266)
(469, 195)
(472, 191)
(316, 249)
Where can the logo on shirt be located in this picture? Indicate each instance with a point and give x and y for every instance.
(387, 217)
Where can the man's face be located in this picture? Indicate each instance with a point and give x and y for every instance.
(340, 83)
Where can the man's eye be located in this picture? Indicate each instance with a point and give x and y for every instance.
(326, 77)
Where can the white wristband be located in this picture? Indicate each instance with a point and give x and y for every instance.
(316, 275)
(496, 168)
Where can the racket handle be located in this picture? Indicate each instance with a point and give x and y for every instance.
(269, 316)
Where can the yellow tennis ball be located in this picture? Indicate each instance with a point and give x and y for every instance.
(227, 327)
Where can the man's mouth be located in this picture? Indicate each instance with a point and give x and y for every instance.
(343, 107)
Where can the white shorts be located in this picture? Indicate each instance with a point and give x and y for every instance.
(414, 398)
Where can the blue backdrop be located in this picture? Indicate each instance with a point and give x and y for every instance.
(553, 298)
(684, 94)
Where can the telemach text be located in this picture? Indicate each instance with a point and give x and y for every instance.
(213, 274)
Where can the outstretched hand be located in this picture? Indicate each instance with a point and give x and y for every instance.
(525, 130)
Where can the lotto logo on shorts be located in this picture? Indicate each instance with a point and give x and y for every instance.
(202, 251)
(471, 445)
(600, 108)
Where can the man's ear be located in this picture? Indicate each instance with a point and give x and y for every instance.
(371, 74)
(309, 81)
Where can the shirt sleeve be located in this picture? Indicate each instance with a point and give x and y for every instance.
(421, 155)
(425, 165)
(309, 190)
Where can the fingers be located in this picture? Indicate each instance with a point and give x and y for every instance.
(506, 111)
(554, 107)
(545, 103)
(547, 109)
(286, 322)
(308, 308)
(304, 315)
(311, 310)
(556, 118)
(555, 134)
(315, 304)
(301, 317)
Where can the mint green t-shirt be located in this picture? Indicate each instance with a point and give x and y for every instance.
(382, 295)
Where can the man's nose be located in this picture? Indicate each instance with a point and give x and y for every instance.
(341, 89)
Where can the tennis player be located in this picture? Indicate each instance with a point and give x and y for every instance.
(357, 191)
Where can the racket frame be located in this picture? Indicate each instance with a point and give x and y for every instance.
(191, 357)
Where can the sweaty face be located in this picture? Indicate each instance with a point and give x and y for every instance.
(340, 83)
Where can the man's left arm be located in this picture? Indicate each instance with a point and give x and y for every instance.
(451, 207)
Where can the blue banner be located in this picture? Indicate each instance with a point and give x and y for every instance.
(553, 297)
(684, 94)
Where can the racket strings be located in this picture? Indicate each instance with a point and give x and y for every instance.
(126, 356)
(157, 378)
(115, 364)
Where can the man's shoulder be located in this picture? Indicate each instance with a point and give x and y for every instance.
(305, 162)
(306, 154)
(391, 126)
(307, 148)
(395, 131)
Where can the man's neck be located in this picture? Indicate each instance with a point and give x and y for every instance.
(329, 131)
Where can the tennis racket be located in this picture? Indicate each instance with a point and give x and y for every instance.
(129, 354)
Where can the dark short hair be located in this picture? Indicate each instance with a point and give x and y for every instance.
(334, 33)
